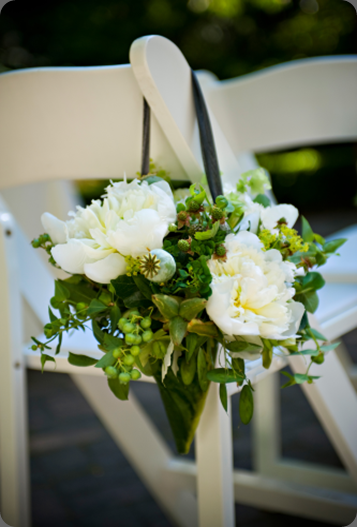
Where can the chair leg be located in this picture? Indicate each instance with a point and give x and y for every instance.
(14, 472)
(334, 400)
(266, 425)
(144, 448)
(214, 457)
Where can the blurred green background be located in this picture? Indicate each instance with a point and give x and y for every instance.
(228, 37)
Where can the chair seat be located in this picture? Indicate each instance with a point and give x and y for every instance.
(343, 268)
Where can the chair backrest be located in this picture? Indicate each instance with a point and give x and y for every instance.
(164, 77)
(309, 101)
(305, 101)
(75, 123)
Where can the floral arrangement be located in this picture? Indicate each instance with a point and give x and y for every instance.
(186, 291)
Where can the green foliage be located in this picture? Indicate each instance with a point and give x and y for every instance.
(246, 404)
(223, 396)
(121, 391)
(225, 375)
(81, 360)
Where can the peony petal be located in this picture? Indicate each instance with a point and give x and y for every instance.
(271, 215)
(107, 269)
(71, 256)
(297, 310)
(56, 228)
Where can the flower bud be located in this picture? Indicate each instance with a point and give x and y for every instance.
(183, 245)
(221, 202)
(217, 213)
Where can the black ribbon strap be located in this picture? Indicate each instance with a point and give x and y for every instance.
(145, 152)
(208, 147)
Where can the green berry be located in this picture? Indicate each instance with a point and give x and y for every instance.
(128, 327)
(138, 340)
(145, 323)
(135, 350)
(81, 306)
(193, 205)
(182, 216)
(117, 353)
(147, 335)
(217, 213)
(36, 243)
(318, 359)
(183, 245)
(172, 227)
(130, 338)
(46, 237)
(121, 322)
(124, 377)
(129, 360)
(34, 347)
(135, 375)
(111, 372)
(220, 250)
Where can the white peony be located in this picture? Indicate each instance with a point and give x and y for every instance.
(251, 291)
(269, 216)
(132, 219)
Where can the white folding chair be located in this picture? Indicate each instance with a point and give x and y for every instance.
(63, 124)
(165, 80)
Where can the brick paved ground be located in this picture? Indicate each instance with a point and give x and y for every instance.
(81, 479)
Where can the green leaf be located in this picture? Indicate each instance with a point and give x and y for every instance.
(178, 328)
(58, 347)
(267, 355)
(106, 360)
(137, 299)
(46, 358)
(61, 292)
(190, 308)
(167, 305)
(115, 315)
(306, 352)
(208, 329)
(183, 404)
(333, 245)
(124, 286)
(223, 375)
(121, 391)
(309, 300)
(246, 404)
(223, 396)
(242, 345)
(330, 347)
(191, 344)
(307, 233)
(202, 370)
(53, 317)
(143, 285)
(79, 292)
(300, 378)
(311, 282)
(291, 381)
(95, 306)
(262, 199)
(97, 332)
(111, 343)
(207, 235)
(188, 370)
(80, 360)
(316, 334)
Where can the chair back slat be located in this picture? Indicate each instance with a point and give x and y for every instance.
(74, 123)
(164, 77)
(309, 101)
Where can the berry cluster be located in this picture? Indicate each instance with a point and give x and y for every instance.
(136, 330)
